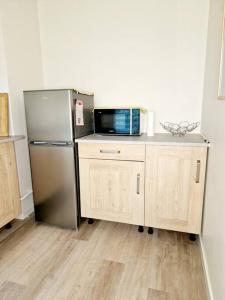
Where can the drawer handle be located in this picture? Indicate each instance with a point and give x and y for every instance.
(197, 179)
(138, 184)
(109, 151)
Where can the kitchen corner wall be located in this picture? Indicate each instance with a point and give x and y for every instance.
(21, 69)
(213, 125)
(129, 53)
(148, 53)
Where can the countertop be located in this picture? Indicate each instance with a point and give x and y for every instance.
(11, 138)
(159, 139)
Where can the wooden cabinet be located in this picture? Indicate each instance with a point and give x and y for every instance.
(157, 186)
(112, 190)
(174, 187)
(9, 189)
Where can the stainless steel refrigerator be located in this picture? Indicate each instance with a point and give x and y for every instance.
(54, 119)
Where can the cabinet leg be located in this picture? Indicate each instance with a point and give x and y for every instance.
(141, 228)
(90, 221)
(8, 225)
(150, 230)
(192, 237)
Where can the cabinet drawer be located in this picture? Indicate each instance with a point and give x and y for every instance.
(112, 151)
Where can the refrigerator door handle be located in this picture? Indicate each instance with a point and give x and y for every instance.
(61, 143)
(38, 143)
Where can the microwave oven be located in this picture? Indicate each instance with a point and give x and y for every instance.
(118, 121)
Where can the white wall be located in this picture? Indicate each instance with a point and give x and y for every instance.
(21, 41)
(3, 68)
(213, 127)
(4, 85)
(148, 53)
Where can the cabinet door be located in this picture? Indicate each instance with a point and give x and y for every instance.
(112, 190)
(9, 189)
(174, 187)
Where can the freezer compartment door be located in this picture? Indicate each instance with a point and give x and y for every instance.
(54, 184)
(49, 115)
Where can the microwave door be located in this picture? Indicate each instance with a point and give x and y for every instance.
(113, 121)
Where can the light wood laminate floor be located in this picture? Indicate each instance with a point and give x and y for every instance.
(102, 261)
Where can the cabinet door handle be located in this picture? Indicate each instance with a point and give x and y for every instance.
(138, 184)
(197, 179)
(109, 151)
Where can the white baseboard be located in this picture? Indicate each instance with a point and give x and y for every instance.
(27, 205)
(206, 271)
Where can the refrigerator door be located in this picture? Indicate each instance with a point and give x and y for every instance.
(49, 115)
(54, 184)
